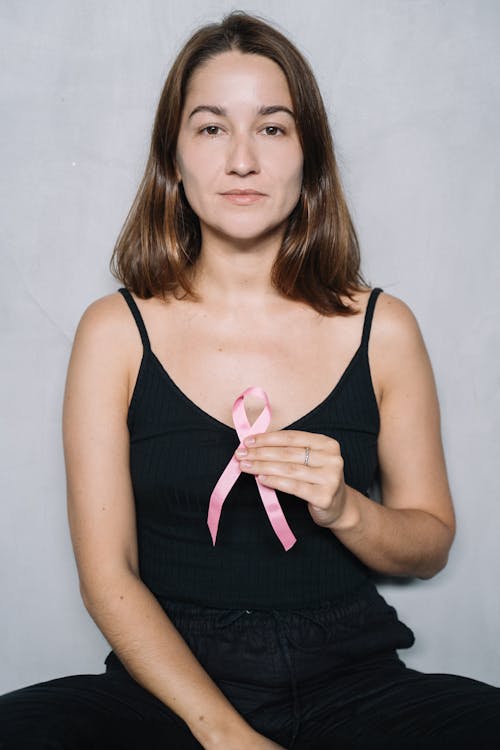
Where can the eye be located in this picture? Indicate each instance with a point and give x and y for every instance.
(277, 130)
(209, 130)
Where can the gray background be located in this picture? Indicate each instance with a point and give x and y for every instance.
(412, 91)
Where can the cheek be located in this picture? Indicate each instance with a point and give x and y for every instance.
(194, 194)
(299, 173)
(197, 173)
(291, 165)
(192, 183)
(293, 184)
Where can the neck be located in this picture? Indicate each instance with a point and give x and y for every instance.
(236, 274)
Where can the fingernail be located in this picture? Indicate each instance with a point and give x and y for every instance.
(249, 441)
(241, 452)
(246, 464)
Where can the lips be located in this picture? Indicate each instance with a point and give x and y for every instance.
(237, 191)
(242, 197)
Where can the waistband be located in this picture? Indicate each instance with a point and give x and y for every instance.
(356, 626)
(199, 618)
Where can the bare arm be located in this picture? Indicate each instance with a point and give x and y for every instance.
(102, 522)
(412, 531)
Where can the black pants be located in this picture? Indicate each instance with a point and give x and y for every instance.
(327, 678)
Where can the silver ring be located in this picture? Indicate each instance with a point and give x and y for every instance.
(306, 458)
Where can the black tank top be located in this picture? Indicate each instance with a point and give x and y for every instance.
(177, 453)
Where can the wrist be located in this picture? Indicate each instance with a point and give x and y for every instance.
(350, 518)
(233, 732)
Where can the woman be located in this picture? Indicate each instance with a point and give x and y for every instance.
(236, 624)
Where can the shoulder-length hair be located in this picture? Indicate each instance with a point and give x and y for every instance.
(160, 240)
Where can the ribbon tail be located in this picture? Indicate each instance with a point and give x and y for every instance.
(219, 494)
(276, 516)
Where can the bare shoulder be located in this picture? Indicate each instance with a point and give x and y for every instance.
(105, 316)
(393, 319)
(394, 323)
(102, 346)
(107, 328)
(397, 350)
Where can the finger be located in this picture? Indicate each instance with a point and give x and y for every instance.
(302, 490)
(318, 495)
(295, 438)
(286, 470)
(289, 454)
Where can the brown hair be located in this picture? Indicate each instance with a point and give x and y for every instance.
(161, 239)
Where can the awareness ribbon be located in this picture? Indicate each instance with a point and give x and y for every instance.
(232, 472)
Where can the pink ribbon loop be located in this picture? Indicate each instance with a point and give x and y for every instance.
(232, 472)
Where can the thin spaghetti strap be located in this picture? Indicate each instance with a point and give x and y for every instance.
(137, 316)
(369, 316)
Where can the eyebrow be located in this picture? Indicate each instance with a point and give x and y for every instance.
(221, 112)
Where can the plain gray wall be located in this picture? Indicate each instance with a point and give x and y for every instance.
(412, 90)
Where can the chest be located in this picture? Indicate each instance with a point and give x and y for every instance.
(296, 358)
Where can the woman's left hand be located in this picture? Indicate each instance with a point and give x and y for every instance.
(304, 464)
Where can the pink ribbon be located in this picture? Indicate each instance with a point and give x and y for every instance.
(232, 472)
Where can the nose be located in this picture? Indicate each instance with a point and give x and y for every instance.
(242, 155)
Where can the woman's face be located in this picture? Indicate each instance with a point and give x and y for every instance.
(238, 133)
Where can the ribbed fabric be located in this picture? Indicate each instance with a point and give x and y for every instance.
(177, 453)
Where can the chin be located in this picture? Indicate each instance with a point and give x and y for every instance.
(249, 228)
(252, 235)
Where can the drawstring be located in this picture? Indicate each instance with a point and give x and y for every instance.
(309, 649)
(229, 617)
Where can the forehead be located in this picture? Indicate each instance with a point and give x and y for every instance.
(241, 76)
